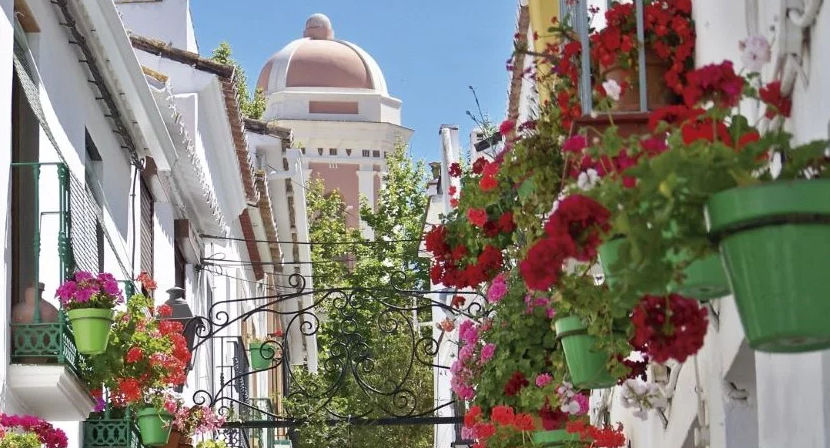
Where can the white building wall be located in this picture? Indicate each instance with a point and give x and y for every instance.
(168, 20)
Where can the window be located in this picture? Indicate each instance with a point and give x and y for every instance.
(348, 151)
(302, 150)
(93, 173)
(376, 153)
(332, 151)
(319, 151)
(365, 153)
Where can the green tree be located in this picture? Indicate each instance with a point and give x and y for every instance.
(390, 336)
(252, 105)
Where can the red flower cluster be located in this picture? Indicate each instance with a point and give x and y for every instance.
(716, 82)
(636, 369)
(552, 417)
(455, 169)
(608, 436)
(502, 417)
(515, 384)
(669, 32)
(477, 216)
(669, 327)
(458, 301)
(573, 231)
(488, 179)
(146, 281)
(777, 104)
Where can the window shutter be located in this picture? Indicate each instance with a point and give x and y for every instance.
(147, 230)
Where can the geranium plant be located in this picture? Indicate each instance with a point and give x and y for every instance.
(148, 353)
(29, 432)
(191, 421)
(88, 301)
(669, 34)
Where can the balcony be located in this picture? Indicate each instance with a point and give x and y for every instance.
(110, 430)
(45, 370)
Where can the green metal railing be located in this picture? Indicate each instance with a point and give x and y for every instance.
(109, 429)
(39, 341)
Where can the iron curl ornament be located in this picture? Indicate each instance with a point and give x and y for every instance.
(361, 331)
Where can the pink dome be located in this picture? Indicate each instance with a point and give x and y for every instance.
(319, 60)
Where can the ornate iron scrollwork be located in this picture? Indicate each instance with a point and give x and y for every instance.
(351, 358)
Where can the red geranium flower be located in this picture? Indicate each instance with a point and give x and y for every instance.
(455, 169)
(776, 103)
(477, 216)
(669, 327)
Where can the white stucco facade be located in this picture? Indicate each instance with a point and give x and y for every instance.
(178, 126)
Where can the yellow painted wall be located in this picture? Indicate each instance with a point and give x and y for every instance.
(541, 14)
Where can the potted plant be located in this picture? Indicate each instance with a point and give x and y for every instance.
(192, 421)
(506, 428)
(264, 352)
(89, 301)
(29, 432)
(154, 416)
(706, 157)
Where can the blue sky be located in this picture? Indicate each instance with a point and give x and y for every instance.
(429, 50)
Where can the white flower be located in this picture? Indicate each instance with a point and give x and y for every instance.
(587, 179)
(570, 407)
(642, 397)
(613, 89)
(756, 52)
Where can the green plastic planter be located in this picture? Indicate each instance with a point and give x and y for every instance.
(705, 278)
(91, 327)
(154, 426)
(262, 355)
(557, 437)
(774, 239)
(588, 367)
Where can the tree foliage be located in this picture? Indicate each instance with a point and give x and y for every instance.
(251, 104)
(396, 221)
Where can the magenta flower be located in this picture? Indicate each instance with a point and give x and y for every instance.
(83, 276)
(497, 289)
(543, 379)
(487, 353)
(66, 291)
(466, 353)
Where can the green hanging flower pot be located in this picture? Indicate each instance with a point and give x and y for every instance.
(91, 328)
(262, 355)
(558, 437)
(774, 240)
(588, 367)
(154, 426)
(704, 280)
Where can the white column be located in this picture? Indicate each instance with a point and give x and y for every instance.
(792, 400)
(366, 179)
(7, 402)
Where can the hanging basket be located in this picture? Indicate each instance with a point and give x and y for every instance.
(588, 367)
(262, 355)
(154, 426)
(558, 437)
(658, 94)
(774, 240)
(91, 328)
(704, 279)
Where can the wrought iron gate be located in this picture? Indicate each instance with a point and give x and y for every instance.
(352, 355)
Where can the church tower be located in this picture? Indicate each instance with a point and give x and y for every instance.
(333, 96)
